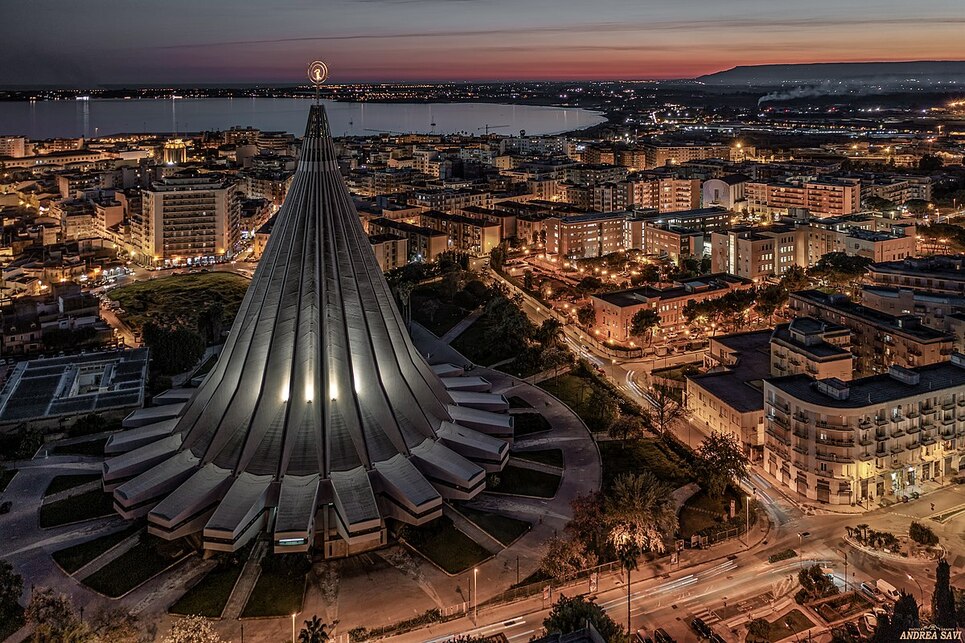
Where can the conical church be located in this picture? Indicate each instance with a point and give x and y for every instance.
(321, 423)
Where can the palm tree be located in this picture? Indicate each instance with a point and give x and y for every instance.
(314, 632)
(641, 506)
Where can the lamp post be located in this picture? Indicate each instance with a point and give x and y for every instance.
(293, 627)
(475, 597)
(921, 592)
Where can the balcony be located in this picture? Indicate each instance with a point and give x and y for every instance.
(866, 457)
(801, 417)
(897, 433)
(881, 421)
(881, 435)
(778, 435)
(927, 440)
(914, 428)
(897, 448)
(823, 474)
(778, 420)
(948, 420)
(865, 441)
(912, 414)
(897, 418)
(961, 401)
(949, 404)
(800, 432)
(800, 448)
(864, 424)
(946, 434)
(831, 457)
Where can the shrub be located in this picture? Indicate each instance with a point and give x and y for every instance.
(922, 535)
(781, 555)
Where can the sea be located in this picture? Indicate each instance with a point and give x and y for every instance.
(91, 118)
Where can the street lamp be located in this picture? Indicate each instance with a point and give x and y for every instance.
(475, 597)
(293, 627)
(921, 592)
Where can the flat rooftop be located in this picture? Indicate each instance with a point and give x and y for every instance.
(892, 323)
(72, 385)
(708, 283)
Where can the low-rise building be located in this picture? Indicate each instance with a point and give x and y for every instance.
(476, 237)
(757, 253)
(851, 443)
(944, 274)
(615, 310)
(424, 244)
(879, 340)
(729, 397)
(592, 234)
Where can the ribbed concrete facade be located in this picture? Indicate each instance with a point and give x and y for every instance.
(320, 417)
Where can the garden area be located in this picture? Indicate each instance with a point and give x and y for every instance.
(73, 558)
(209, 595)
(149, 557)
(841, 606)
(93, 448)
(921, 541)
(84, 506)
(502, 528)
(645, 454)
(444, 545)
(529, 423)
(549, 457)
(65, 482)
(280, 587)
(705, 515)
(523, 482)
(794, 622)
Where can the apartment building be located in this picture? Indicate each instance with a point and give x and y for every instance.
(672, 242)
(944, 274)
(591, 174)
(811, 347)
(599, 197)
(666, 194)
(725, 192)
(704, 220)
(858, 442)
(874, 238)
(820, 197)
(757, 253)
(423, 244)
(451, 200)
(615, 310)
(592, 234)
(189, 217)
(879, 340)
(662, 154)
(391, 251)
(474, 236)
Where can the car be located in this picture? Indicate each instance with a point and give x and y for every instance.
(641, 636)
(852, 630)
(701, 628)
(871, 591)
(870, 621)
(660, 636)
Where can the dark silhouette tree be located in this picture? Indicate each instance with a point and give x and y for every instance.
(943, 599)
(574, 614)
(314, 631)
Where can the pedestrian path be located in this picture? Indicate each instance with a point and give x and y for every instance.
(461, 326)
(246, 582)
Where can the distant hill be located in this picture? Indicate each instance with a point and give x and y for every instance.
(889, 73)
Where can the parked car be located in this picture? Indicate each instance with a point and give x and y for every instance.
(701, 628)
(871, 591)
(660, 636)
(641, 636)
(886, 588)
(870, 621)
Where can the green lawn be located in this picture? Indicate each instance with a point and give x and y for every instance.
(446, 546)
(576, 392)
(439, 317)
(647, 454)
(552, 457)
(527, 423)
(63, 483)
(209, 596)
(6, 475)
(135, 566)
(502, 528)
(174, 301)
(475, 344)
(84, 506)
(73, 558)
(524, 482)
(788, 625)
(702, 512)
(90, 447)
(280, 586)
(516, 402)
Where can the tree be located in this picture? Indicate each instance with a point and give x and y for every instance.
(548, 333)
(11, 586)
(586, 315)
(627, 427)
(815, 584)
(904, 617)
(172, 350)
(922, 534)
(508, 324)
(839, 269)
(604, 407)
(759, 630)
(943, 599)
(769, 299)
(795, 278)
(640, 512)
(192, 629)
(720, 461)
(314, 632)
(115, 625)
(528, 279)
(643, 323)
(665, 409)
(496, 257)
(565, 556)
(930, 163)
(918, 206)
(574, 614)
(878, 203)
(54, 618)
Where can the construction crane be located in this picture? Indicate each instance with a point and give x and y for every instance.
(489, 127)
